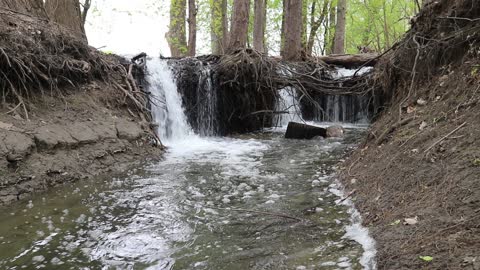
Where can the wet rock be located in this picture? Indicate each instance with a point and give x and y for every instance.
(52, 136)
(128, 130)
(335, 132)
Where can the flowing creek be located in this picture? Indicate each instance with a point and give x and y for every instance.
(255, 201)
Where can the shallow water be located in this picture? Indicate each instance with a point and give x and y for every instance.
(251, 202)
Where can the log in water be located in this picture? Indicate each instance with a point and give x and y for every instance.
(304, 131)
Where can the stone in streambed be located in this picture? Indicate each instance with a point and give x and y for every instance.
(335, 132)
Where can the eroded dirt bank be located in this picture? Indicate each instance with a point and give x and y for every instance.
(417, 175)
(69, 139)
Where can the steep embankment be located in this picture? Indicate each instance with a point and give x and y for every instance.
(417, 175)
(68, 112)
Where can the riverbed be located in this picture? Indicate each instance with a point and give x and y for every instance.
(255, 201)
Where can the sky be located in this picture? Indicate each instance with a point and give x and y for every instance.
(129, 27)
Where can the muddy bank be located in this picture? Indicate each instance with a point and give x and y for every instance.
(69, 139)
(416, 176)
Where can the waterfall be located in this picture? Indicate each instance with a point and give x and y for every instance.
(207, 123)
(289, 104)
(166, 102)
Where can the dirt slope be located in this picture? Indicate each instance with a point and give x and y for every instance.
(69, 139)
(421, 161)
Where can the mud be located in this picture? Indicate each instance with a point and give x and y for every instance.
(67, 139)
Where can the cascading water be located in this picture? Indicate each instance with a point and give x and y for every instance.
(206, 103)
(287, 107)
(167, 107)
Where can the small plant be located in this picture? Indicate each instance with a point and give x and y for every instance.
(476, 162)
(426, 258)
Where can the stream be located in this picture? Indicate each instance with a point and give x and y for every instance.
(254, 201)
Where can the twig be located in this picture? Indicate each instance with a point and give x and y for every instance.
(445, 137)
(348, 195)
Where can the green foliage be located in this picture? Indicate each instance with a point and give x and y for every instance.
(377, 24)
(426, 258)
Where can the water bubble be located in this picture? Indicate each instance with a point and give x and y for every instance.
(38, 259)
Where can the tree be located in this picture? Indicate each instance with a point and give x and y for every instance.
(293, 29)
(239, 28)
(192, 28)
(67, 13)
(316, 24)
(260, 22)
(176, 36)
(86, 6)
(340, 28)
(219, 26)
(33, 7)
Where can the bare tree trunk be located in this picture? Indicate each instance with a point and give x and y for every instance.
(282, 34)
(176, 36)
(30, 7)
(86, 8)
(67, 13)
(305, 24)
(293, 30)
(192, 28)
(315, 25)
(239, 29)
(340, 28)
(259, 25)
(330, 28)
(219, 26)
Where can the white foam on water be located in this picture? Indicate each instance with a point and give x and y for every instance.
(356, 231)
(341, 73)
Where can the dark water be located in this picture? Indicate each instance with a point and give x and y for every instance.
(252, 202)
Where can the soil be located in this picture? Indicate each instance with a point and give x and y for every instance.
(416, 176)
(80, 135)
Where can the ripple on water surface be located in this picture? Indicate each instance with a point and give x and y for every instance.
(251, 202)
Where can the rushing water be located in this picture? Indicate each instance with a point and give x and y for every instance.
(254, 201)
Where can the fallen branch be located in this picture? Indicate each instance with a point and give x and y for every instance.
(445, 137)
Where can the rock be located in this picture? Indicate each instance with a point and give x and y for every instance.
(83, 133)
(335, 131)
(14, 145)
(52, 136)
(302, 131)
(421, 102)
(104, 130)
(128, 130)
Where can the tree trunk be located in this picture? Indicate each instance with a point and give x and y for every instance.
(239, 29)
(305, 24)
(259, 25)
(219, 26)
(315, 25)
(67, 13)
(282, 31)
(86, 7)
(31, 7)
(340, 28)
(330, 29)
(176, 36)
(192, 28)
(293, 30)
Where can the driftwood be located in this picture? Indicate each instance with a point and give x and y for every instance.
(302, 131)
(350, 60)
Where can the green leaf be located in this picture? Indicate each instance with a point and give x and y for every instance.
(426, 258)
(396, 222)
